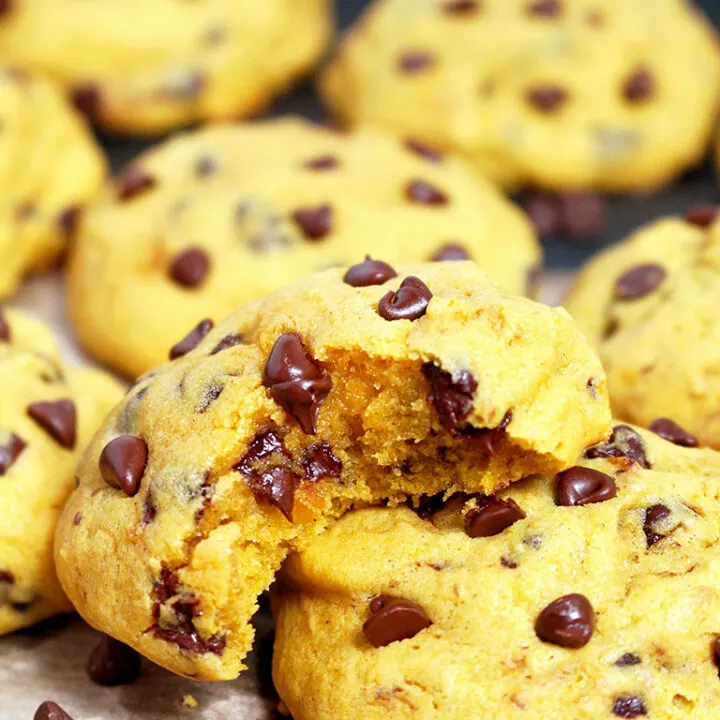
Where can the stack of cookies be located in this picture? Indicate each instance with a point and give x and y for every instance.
(345, 396)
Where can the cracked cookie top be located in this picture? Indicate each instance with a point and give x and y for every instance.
(354, 386)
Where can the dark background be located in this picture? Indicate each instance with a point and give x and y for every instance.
(623, 213)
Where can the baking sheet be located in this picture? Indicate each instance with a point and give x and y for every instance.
(47, 662)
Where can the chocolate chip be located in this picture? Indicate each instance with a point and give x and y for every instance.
(544, 213)
(319, 462)
(409, 302)
(68, 219)
(149, 510)
(545, 8)
(296, 381)
(322, 163)
(424, 151)
(76, 519)
(639, 281)
(533, 281)
(487, 437)
(451, 397)
(423, 193)
(491, 516)
(209, 395)
(57, 418)
(5, 335)
(653, 515)
(88, 100)
(112, 663)
(6, 7)
(50, 711)
(122, 463)
(628, 706)
(369, 272)
(701, 215)
(6, 577)
(205, 166)
(461, 7)
(10, 451)
(266, 467)
(639, 86)
(715, 650)
(568, 622)
(413, 63)
(394, 619)
(508, 563)
(190, 267)
(672, 432)
(582, 214)
(192, 339)
(315, 222)
(624, 443)
(227, 342)
(450, 252)
(582, 486)
(547, 98)
(627, 660)
(133, 181)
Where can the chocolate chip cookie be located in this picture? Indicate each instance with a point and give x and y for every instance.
(147, 67)
(560, 94)
(221, 216)
(591, 594)
(47, 413)
(353, 386)
(50, 169)
(649, 305)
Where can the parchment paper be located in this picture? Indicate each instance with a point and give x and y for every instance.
(48, 662)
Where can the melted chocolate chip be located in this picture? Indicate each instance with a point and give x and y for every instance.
(672, 432)
(6, 7)
(582, 486)
(6, 577)
(319, 462)
(461, 7)
(88, 100)
(715, 650)
(547, 98)
(409, 302)
(112, 663)
(639, 281)
(628, 706)
(568, 622)
(653, 515)
(394, 619)
(190, 267)
(491, 516)
(68, 219)
(77, 519)
(508, 563)
(5, 335)
(10, 451)
(451, 397)
(627, 660)
(414, 63)
(322, 163)
(267, 469)
(210, 394)
(183, 605)
(623, 443)
(57, 418)
(545, 8)
(296, 381)
(450, 252)
(424, 151)
(639, 86)
(123, 462)
(133, 181)
(192, 339)
(582, 214)
(701, 215)
(544, 213)
(487, 437)
(149, 511)
(314, 222)
(227, 342)
(50, 711)
(422, 192)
